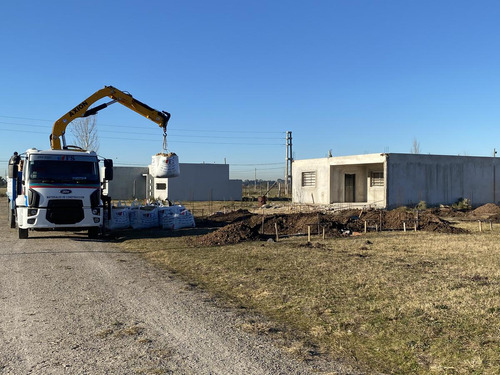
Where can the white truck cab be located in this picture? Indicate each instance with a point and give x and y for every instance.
(57, 190)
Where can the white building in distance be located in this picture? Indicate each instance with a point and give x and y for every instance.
(197, 182)
(392, 180)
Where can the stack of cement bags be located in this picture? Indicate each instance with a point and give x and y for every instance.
(148, 216)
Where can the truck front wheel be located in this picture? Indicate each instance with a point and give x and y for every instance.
(23, 234)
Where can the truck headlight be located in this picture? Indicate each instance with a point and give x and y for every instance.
(96, 211)
(96, 220)
(32, 211)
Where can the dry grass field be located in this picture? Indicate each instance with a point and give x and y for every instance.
(392, 302)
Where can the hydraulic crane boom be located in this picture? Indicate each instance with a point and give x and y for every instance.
(83, 110)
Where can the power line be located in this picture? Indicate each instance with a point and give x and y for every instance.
(142, 132)
(23, 131)
(190, 136)
(204, 143)
(25, 118)
(151, 139)
(251, 165)
(138, 127)
(259, 169)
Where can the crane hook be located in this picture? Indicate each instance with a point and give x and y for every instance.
(165, 146)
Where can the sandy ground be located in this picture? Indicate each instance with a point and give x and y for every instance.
(73, 306)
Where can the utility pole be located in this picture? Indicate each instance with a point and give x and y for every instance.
(494, 176)
(255, 179)
(288, 160)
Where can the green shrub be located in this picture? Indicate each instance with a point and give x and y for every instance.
(422, 205)
(462, 204)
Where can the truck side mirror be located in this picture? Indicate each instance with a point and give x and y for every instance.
(108, 169)
(12, 171)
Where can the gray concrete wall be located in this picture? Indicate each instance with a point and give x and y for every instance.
(201, 182)
(128, 183)
(197, 182)
(438, 179)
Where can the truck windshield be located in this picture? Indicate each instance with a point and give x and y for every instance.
(50, 171)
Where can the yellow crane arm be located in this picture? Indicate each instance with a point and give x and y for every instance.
(83, 110)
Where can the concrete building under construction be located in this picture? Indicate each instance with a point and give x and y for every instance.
(390, 180)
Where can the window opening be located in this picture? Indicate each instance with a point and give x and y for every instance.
(377, 179)
(309, 178)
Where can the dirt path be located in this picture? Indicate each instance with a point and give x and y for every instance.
(69, 305)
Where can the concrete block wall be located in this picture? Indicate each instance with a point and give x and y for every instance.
(442, 179)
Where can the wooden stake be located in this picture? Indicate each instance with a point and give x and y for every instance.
(404, 226)
(323, 232)
(276, 230)
(308, 233)
(480, 226)
(365, 226)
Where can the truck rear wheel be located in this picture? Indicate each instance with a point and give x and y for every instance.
(10, 216)
(23, 234)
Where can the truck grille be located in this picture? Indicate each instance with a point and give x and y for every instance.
(65, 211)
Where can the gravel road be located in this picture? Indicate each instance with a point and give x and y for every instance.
(74, 306)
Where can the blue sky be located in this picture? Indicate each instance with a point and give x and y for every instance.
(351, 76)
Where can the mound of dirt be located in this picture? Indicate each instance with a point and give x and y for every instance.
(241, 225)
(229, 234)
(447, 211)
(486, 210)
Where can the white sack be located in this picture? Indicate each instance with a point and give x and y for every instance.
(184, 220)
(144, 217)
(165, 165)
(175, 217)
(166, 215)
(119, 218)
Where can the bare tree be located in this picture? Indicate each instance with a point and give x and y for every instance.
(84, 131)
(415, 148)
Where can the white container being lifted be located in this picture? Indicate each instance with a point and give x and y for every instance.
(165, 165)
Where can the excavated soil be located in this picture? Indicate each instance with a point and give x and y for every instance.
(242, 225)
(489, 209)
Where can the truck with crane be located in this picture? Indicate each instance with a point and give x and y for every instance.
(62, 188)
